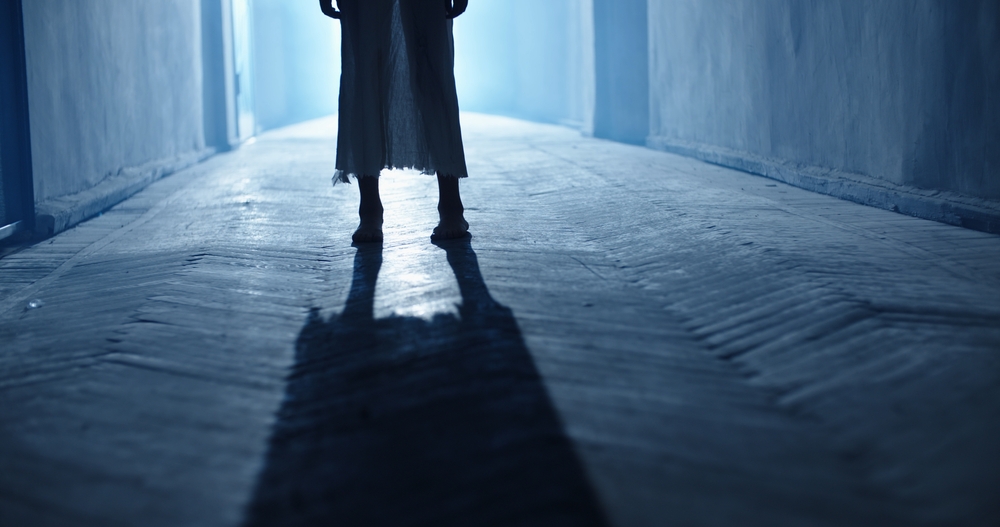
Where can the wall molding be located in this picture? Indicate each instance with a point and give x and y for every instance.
(55, 215)
(946, 207)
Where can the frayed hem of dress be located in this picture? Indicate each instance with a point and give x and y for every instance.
(343, 176)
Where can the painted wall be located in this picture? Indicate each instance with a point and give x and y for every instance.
(296, 60)
(908, 92)
(112, 84)
(528, 59)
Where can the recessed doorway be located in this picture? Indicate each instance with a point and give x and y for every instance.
(16, 195)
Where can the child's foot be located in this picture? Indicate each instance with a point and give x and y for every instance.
(451, 226)
(370, 229)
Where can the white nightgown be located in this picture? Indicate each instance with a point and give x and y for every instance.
(398, 105)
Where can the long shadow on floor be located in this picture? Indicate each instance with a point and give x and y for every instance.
(406, 421)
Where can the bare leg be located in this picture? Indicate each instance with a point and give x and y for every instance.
(452, 222)
(370, 229)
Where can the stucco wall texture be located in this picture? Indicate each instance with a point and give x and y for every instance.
(112, 85)
(908, 92)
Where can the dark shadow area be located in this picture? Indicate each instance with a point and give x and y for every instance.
(17, 200)
(406, 421)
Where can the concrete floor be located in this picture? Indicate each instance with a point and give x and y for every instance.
(630, 338)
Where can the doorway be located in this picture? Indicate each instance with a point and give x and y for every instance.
(243, 68)
(621, 110)
(16, 192)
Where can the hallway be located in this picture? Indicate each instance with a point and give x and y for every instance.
(659, 341)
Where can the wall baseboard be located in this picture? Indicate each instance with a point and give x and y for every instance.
(946, 207)
(55, 215)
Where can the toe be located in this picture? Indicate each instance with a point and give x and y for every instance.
(450, 229)
(366, 236)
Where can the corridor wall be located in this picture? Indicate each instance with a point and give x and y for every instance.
(901, 96)
(296, 62)
(527, 59)
(115, 91)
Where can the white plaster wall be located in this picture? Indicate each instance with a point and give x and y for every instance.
(906, 91)
(112, 84)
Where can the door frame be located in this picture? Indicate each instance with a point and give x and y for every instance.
(241, 12)
(15, 131)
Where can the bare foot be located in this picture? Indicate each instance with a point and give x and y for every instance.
(451, 226)
(370, 211)
(370, 229)
(450, 210)
(367, 233)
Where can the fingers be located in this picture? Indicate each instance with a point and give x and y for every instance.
(326, 6)
(456, 7)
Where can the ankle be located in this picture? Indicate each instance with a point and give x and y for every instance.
(374, 211)
(451, 208)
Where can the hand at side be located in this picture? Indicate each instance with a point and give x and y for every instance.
(455, 7)
(327, 7)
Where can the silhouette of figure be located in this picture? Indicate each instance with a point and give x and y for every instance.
(398, 104)
(404, 421)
